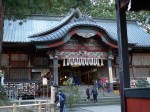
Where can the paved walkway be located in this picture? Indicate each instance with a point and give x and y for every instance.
(101, 94)
(108, 108)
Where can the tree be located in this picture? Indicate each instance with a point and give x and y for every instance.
(72, 93)
(15, 9)
(142, 83)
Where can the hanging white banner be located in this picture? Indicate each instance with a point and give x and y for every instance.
(44, 81)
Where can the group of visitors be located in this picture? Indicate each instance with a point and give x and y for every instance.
(94, 92)
(102, 84)
(99, 85)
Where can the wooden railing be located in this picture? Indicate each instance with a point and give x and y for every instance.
(38, 105)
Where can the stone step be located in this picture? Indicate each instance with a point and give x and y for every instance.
(100, 102)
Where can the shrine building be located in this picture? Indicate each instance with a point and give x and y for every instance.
(83, 47)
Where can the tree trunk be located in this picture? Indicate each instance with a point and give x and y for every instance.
(1, 27)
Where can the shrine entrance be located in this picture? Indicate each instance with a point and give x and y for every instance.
(86, 60)
(81, 75)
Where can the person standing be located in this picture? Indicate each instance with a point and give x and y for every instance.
(95, 94)
(88, 93)
(61, 98)
(103, 79)
(95, 83)
(99, 83)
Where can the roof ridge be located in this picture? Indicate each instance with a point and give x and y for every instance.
(73, 15)
(65, 20)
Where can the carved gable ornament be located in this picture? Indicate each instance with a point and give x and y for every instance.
(81, 52)
(86, 33)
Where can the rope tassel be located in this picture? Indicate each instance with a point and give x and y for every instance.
(102, 64)
(64, 63)
(98, 64)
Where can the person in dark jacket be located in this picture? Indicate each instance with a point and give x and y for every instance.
(95, 94)
(61, 97)
(88, 93)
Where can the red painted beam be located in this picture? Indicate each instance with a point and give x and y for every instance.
(108, 43)
(138, 105)
(56, 44)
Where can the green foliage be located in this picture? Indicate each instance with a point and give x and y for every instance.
(15, 9)
(3, 98)
(73, 95)
(19, 8)
(103, 9)
(142, 82)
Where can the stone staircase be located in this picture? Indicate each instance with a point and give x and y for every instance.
(104, 98)
(100, 102)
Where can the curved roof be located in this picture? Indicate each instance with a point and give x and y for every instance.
(43, 29)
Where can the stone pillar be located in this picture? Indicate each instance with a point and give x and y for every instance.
(110, 80)
(53, 109)
(55, 83)
(110, 58)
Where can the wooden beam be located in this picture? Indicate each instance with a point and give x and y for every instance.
(123, 53)
(135, 5)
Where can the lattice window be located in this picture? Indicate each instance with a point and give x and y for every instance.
(141, 59)
(19, 74)
(146, 59)
(141, 72)
(19, 57)
(40, 61)
(117, 72)
(5, 60)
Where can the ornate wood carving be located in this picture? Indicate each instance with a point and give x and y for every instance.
(81, 52)
(76, 48)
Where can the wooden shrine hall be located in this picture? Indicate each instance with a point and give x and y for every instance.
(74, 45)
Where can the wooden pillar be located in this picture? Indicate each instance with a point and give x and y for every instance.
(8, 67)
(133, 71)
(55, 82)
(29, 68)
(115, 72)
(55, 65)
(123, 53)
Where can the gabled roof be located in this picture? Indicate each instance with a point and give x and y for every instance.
(53, 28)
